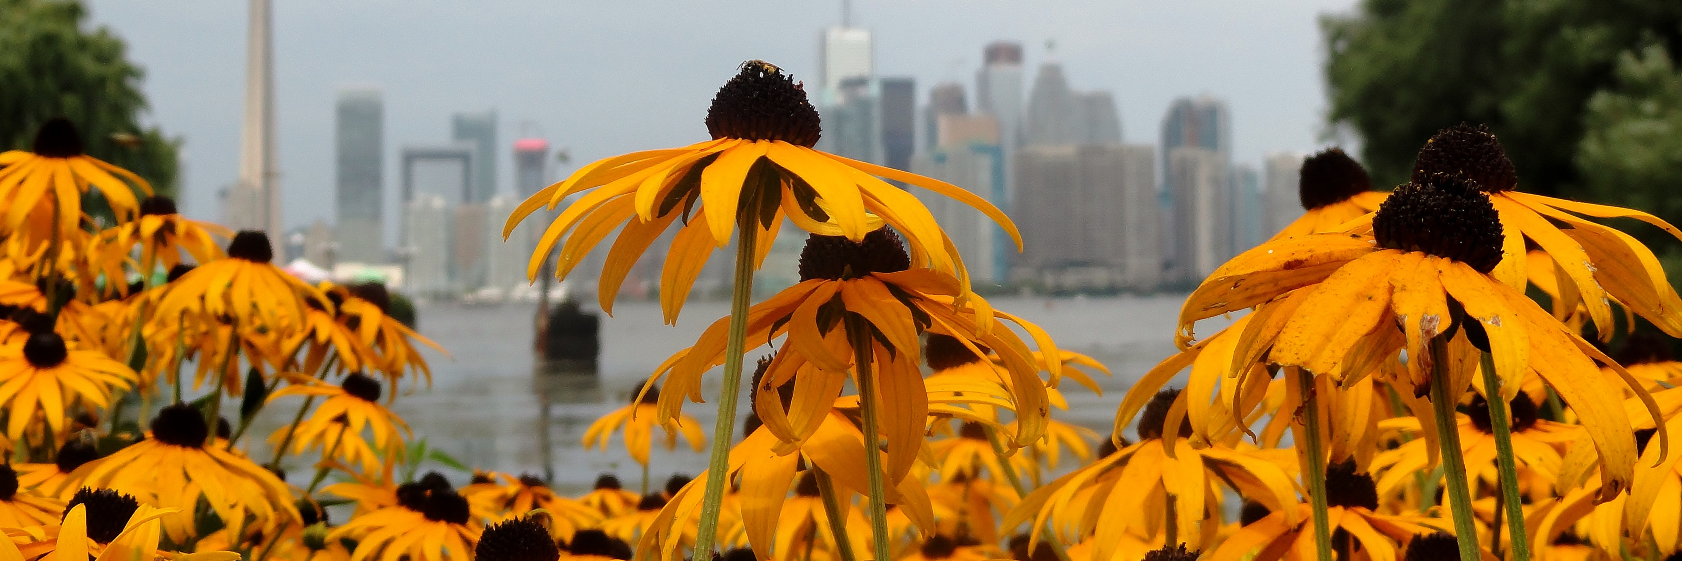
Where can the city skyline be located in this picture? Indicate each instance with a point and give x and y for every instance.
(655, 96)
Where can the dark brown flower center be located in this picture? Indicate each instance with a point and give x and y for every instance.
(251, 245)
(1447, 216)
(74, 454)
(651, 501)
(1155, 415)
(373, 292)
(108, 512)
(676, 483)
(157, 206)
(1177, 552)
(939, 547)
(1438, 546)
(180, 425)
(945, 351)
(1644, 348)
(433, 497)
(608, 481)
(762, 103)
(838, 258)
(1348, 488)
(1470, 151)
(807, 486)
(520, 539)
(8, 482)
(58, 138)
(45, 350)
(973, 431)
(1522, 414)
(648, 391)
(361, 386)
(598, 543)
(1331, 177)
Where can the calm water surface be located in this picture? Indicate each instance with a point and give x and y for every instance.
(494, 407)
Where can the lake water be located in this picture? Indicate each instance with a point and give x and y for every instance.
(494, 407)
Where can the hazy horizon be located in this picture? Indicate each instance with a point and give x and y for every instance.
(601, 79)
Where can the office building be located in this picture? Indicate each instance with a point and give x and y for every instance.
(998, 92)
(852, 125)
(898, 112)
(443, 170)
(944, 99)
(426, 245)
(1051, 109)
(478, 130)
(531, 166)
(360, 187)
(470, 240)
(1202, 122)
(844, 53)
(1284, 202)
(1202, 219)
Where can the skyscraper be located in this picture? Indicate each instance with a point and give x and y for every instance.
(1202, 122)
(426, 227)
(1051, 108)
(944, 99)
(844, 52)
(852, 123)
(359, 144)
(899, 121)
(998, 92)
(1284, 204)
(1202, 218)
(254, 203)
(479, 130)
(1092, 222)
(969, 156)
(442, 170)
(531, 174)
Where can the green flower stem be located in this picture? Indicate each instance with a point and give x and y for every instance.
(858, 331)
(231, 359)
(1314, 459)
(741, 295)
(1046, 536)
(1453, 463)
(833, 510)
(292, 429)
(1501, 426)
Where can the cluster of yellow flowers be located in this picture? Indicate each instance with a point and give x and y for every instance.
(1390, 388)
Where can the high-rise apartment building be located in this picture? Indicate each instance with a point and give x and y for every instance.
(1249, 209)
(1284, 203)
(970, 157)
(898, 101)
(479, 131)
(1202, 218)
(1095, 121)
(843, 53)
(1092, 222)
(426, 245)
(944, 99)
(852, 124)
(505, 261)
(1202, 122)
(360, 149)
(531, 166)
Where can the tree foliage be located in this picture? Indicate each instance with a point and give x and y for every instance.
(1399, 70)
(51, 66)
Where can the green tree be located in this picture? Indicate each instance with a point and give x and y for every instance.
(1398, 70)
(50, 66)
(1631, 153)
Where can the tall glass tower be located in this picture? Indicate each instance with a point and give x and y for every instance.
(360, 149)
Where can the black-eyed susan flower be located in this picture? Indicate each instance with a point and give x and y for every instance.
(1425, 272)
(596, 545)
(326, 337)
(1127, 493)
(759, 168)
(367, 312)
(1537, 446)
(165, 239)
(48, 478)
(103, 525)
(507, 497)
(42, 378)
(523, 538)
(1352, 499)
(21, 506)
(348, 410)
(845, 286)
(430, 522)
(1334, 189)
(44, 186)
(245, 287)
(638, 420)
(178, 465)
(1603, 265)
(609, 497)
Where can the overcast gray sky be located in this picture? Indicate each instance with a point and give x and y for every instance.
(608, 77)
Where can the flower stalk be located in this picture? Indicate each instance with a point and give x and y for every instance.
(1314, 463)
(1453, 463)
(859, 332)
(833, 510)
(718, 464)
(1501, 426)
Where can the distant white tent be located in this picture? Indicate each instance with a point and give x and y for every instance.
(307, 271)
